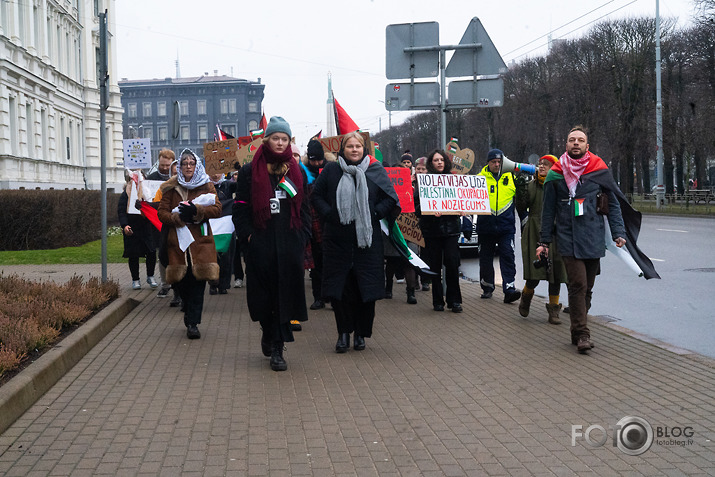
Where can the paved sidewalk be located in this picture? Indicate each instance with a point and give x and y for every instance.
(485, 392)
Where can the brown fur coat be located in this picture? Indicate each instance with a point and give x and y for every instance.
(202, 251)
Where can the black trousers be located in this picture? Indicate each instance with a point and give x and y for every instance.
(444, 250)
(316, 273)
(351, 313)
(191, 292)
(150, 265)
(237, 265)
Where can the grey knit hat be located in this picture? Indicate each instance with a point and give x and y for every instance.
(278, 124)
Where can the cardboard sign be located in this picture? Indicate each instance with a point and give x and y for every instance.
(137, 153)
(462, 159)
(402, 182)
(410, 227)
(453, 194)
(220, 156)
(332, 143)
(246, 153)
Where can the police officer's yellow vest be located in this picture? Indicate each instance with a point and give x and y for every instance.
(501, 191)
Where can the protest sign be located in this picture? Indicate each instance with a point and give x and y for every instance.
(462, 159)
(453, 193)
(246, 153)
(410, 227)
(220, 156)
(402, 182)
(332, 143)
(137, 153)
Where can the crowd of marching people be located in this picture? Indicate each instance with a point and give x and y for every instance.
(331, 214)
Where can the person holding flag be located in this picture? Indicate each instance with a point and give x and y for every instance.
(579, 191)
(272, 216)
(223, 231)
(351, 196)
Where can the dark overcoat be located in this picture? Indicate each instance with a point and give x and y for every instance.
(141, 242)
(340, 249)
(530, 201)
(275, 277)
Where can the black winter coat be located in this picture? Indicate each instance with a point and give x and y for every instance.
(141, 242)
(435, 227)
(340, 250)
(274, 256)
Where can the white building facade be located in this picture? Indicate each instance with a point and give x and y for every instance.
(49, 96)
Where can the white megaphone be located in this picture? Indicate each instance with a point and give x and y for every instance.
(519, 167)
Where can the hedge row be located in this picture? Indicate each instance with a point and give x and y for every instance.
(48, 219)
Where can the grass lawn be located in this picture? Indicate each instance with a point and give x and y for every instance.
(88, 253)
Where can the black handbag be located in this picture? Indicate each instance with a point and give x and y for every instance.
(602, 204)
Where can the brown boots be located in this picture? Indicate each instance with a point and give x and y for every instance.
(554, 313)
(525, 302)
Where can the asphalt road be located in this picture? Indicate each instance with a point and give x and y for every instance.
(679, 308)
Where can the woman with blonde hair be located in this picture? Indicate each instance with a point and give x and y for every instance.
(351, 196)
(272, 217)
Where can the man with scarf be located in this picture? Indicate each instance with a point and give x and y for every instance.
(272, 216)
(574, 192)
(313, 163)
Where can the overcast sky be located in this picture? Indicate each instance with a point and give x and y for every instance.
(293, 45)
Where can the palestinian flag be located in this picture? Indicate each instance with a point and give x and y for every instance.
(452, 148)
(317, 136)
(222, 227)
(256, 133)
(287, 185)
(398, 241)
(344, 121)
(378, 152)
(151, 214)
(578, 207)
(264, 124)
(454, 140)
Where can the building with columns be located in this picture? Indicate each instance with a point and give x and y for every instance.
(49, 96)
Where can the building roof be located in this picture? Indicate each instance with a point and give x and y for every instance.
(205, 79)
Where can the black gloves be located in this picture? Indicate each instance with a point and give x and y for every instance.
(187, 212)
(138, 204)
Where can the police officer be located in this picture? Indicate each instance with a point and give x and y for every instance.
(498, 228)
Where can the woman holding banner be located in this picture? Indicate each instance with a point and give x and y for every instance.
(272, 217)
(441, 234)
(351, 196)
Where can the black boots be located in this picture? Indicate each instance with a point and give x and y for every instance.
(359, 343)
(343, 343)
(277, 361)
(411, 296)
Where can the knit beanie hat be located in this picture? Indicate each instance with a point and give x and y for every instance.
(552, 159)
(278, 124)
(294, 149)
(495, 154)
(407, 156)
(315, 151)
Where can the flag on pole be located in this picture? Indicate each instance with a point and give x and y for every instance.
(257, 133)
(287, 185)
(151, 214)
(343, 120)
(263, 124)
(318, 135)
(398, 241)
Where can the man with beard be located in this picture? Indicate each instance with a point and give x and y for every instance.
(315, 161)
(576, 191)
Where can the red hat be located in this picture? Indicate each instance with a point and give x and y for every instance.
(552, 159)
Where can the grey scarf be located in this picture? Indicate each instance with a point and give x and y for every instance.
(352, 200)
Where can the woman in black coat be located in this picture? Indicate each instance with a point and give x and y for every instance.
(138, 241)
(272, 216)
(351, 196)
(441, 234)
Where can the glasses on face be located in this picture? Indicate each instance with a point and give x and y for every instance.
(188, 164)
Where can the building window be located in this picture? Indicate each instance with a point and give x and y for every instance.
(45, 133)
(146, 110)
(232, 106)
(163, 133)
(183, 108)
(185, 133)
(13, 125)
(132, 110)
(252, 125)
(230, 129)
(253, 106)
(161, 109)
(97, 7)
(224, 106)
(203, 132)
(30, 130)
(201, 107)
(148, 132)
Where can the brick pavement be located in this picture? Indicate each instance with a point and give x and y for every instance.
(484, 392)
